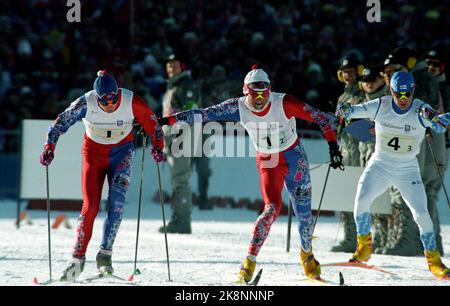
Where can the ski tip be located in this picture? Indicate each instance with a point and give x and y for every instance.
(341, 279)
(131, 278)
(35, 281)
(137, 272)
(256, 279)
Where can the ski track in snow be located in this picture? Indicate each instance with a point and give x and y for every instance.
(211, 256)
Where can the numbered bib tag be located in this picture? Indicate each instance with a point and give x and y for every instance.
(108, 134)
(277, 140)
(397, 144)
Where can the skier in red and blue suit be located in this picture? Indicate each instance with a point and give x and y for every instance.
(108, 113)
(270, 120)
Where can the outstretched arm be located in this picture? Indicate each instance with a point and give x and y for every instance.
(367, 110)
(293, 107)
(225, 111)
(296, 108)
(145, 116)
(75, 112)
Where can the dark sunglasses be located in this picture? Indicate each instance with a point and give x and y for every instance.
(106, 100)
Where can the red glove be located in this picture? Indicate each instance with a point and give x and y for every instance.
(157, 155)
(48, 155)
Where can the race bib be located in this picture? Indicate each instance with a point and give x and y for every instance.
(106, 134)
(272, 140)
(398, 144)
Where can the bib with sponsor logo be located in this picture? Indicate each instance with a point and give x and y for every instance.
(273, 132)
(398, 135)
(109, 128)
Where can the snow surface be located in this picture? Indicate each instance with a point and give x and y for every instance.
(209, 257)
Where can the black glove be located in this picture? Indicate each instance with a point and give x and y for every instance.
(163, 121)
(335, 156)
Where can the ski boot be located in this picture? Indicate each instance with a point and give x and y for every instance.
(364, 249)
(245, 274)
(177, 228)
(76, 266)
(104, 262)
(436, 266)
(311, 266)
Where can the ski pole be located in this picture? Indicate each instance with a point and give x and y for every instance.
(439, 172)
(338, 132)
(321, 198)
(136, 271)
(48, 225)
(164, 220)
(288, 242)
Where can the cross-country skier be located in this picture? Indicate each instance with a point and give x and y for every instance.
(269, 118)
(108, 113)
(400, 123)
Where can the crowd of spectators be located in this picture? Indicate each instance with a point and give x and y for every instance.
(46, 62)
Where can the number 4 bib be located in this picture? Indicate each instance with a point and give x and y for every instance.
(397, 144)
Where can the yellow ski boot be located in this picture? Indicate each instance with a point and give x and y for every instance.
(311, 266)
(246, 273)
(436, 266)
(364, 248)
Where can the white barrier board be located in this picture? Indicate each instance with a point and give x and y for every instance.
(65, 170)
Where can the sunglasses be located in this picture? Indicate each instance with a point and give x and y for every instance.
(402, 95)
(108, 99)
(259, 86)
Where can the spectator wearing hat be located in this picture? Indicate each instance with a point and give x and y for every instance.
(373, 87)
(182, 94)
(350, 70)
(436, 67)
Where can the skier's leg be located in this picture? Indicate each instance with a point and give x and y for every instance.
(416, 199)
(298, 184)
(412, 190)
(372, 183)
(93, 176)
(403, 233)
(119, 177)
(271, 183)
